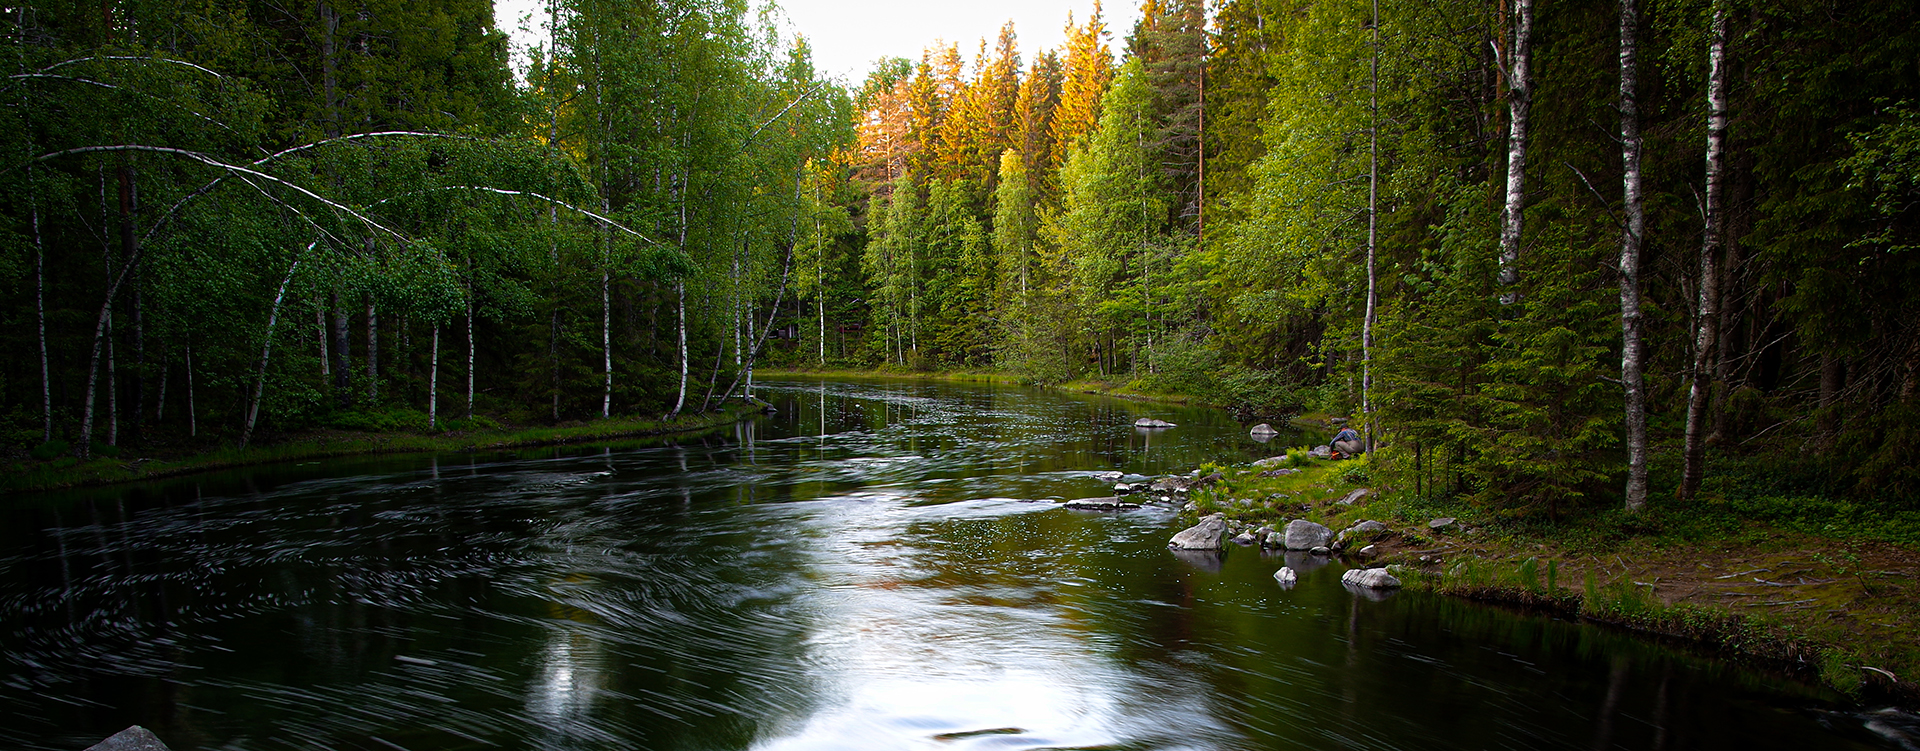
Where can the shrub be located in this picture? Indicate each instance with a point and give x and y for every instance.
(50, 450)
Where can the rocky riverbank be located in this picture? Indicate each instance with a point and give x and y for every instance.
(1835, 611)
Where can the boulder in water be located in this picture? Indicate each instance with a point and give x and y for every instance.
(1305, 535)
(1244, 538)
(1106, 503)
(1203, 536)
(1370, 578)
(1153, 422)
(1286, 577)
(134, 738)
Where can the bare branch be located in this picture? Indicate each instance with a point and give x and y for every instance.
(355, 137)
(529, 194)
(232, 168)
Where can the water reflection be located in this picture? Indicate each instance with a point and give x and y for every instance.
(876, 566)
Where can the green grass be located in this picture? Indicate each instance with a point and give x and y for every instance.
(68, 472)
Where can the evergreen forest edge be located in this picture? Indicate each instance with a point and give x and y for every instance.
(229, 220)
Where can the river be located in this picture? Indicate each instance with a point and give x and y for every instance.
(879, 565)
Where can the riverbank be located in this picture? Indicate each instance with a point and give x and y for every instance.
(1088, 386)
(1838, 608)
(29, 476)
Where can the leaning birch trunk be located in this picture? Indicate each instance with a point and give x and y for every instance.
(1519, 100)
(786, 271)
(193, 413)
(606, 345)
(266, 348)
(320, 322)
(433, 384)
(1632, 350)
(1707, 322)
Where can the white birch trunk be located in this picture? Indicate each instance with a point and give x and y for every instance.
(266, 348)
(606, 344)
(469, 354)
(680, 309)
(1519, 100)
(1707, 320)
(40, 313)
(433, 384)
(1632, 350)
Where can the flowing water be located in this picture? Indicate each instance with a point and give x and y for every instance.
(879, 565)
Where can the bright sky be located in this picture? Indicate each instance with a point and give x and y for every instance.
(848, 35)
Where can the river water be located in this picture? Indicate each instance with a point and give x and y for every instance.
(879, 565)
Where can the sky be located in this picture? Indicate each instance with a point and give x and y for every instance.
(848, 35)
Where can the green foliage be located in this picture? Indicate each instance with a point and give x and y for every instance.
(50, 449)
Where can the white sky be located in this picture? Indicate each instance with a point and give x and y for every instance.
(848, 35)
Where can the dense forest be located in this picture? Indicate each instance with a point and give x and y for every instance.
(1547, 256)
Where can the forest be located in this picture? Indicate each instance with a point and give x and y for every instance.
(1553, 256)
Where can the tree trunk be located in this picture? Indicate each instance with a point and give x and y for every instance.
(373, 354)
(469, 354)
(320, 327)
(160, 402)
(1519, 99)
(193, 414)
(606, 343)
(40, 313)
(1707, 324)
(680, 308)
(342, 357)
(1632, 350)
(1373, 224)
(433, 384)
(113, 390)
(129, 249)
(266, 348)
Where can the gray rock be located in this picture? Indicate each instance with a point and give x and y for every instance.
(1370, 578)
(1281, 472)
(1305, 535)
(1131, 478)
(1321, 452)
(1203, 536)
(1107, 503)
(1263, 531)
(1286, 577)
(1244, 538)
(1441, 523)
(134, 738)
(1274, 540)
(1153, 422)
(1171, 485)
(1368, 529)
(1355, 496)
(1109, 476)
(1271, 461)
(1263, 429)
(1368, 552)
(1321, 550)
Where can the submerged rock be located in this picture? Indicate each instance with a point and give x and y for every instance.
(1321, 550)
(1370, 578)
(1305, 535)
(1106, 503)
(1203, 536)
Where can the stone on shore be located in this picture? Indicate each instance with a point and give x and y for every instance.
(1370, 578)
(1203, 536)
(1271, 461)
(1441, 523)
(1245, 538)
(1321, 452)
(1354, 497)
(1368, 529)
(1305, 535)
